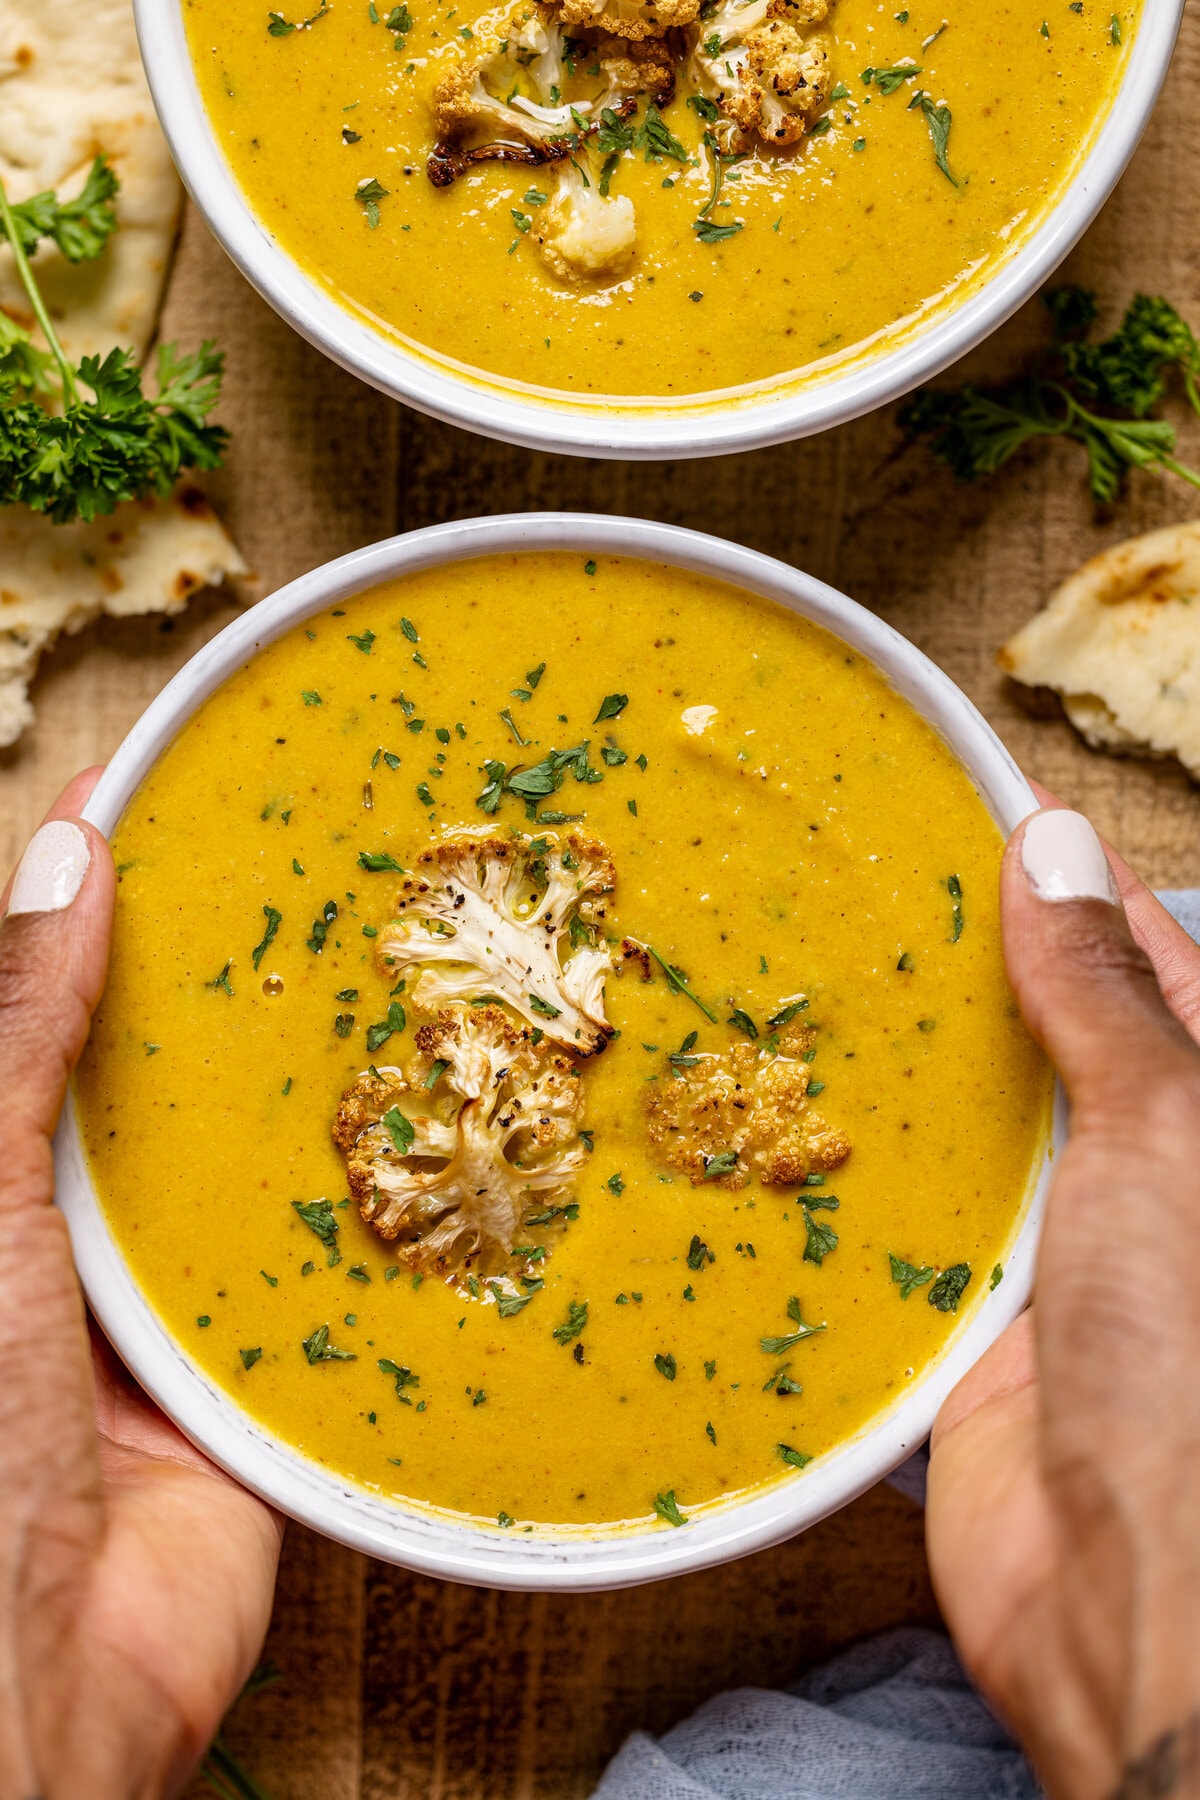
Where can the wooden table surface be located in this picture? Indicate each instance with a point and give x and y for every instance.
(400, 1688)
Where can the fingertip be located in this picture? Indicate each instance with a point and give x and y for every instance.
(1060, 857)
(76, 794)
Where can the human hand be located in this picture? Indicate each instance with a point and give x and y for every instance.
(135, 1577)
(1064, 1494)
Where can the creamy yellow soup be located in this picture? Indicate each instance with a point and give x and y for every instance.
(784, 831)
(840, 245)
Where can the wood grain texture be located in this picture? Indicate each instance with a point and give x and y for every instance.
(399, 1688)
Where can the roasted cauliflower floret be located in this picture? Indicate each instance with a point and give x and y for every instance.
(502, 918)
(506, 103)
(631, 68)
(448, 1158)
(767, 70)
(748, 1108)
(583, 236)
(632, 19)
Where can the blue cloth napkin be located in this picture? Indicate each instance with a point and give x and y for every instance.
(894, 1718)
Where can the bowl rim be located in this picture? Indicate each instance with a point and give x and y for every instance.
(318, 1497)
(702, 428)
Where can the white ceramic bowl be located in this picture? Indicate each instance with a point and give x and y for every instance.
(631, 429)
(282, 1475)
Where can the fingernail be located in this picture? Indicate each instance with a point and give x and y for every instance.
(1063, 859)
(52, 870)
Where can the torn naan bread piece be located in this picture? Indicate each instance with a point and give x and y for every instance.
(71, 89)
(147, 556)
(1120, 643)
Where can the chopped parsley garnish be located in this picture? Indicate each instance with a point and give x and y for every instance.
(786, 1014)
(778, 1346)
(278, 26)
(907, 1276)
(249, 1357)
(362, 643)
(679, 984)
(274, 920)
(311, 697)
(320, 929)
(906, 965)
(708, 232)
(507, 1305)
(318, 1348)
(725, 1162)
(666, 1366)
(221, 981)
(615, 1184)
(888, 80)
(343, 1024)
(378, 1035)
(743, 1022)
(346, 994)
(505, 1519)
(821, 1239)
(683, 1058)
(667, 1508)
(710, 1369)
(939, 121)
(795, 1459)
(709, 1433)
(543, 1007)
(656, 140)
(699, 1254)
(508, 720)
(569, 1212)
(403, 1377)
(954, 889)
(996, 1278)
(378, 862)
(369, 193)
(949, 1287)
(577, 1314)
(318, 1216)
(612, 706)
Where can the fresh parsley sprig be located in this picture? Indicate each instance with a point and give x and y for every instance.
(1098, 394)
(62, 452)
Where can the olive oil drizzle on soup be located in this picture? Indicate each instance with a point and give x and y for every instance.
(783, 829)
(810, 255)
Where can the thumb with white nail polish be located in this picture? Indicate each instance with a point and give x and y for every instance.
(1063, 858)
(1081, 981)
(52, 870)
